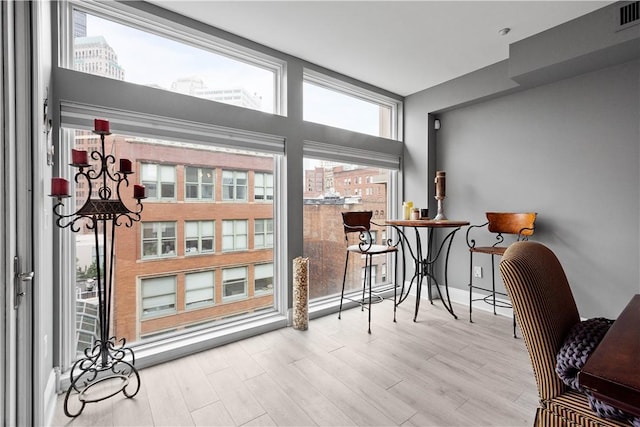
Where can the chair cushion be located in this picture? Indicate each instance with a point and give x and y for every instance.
(373, 249)
(572, 408)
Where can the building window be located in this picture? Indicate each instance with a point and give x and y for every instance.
(263, 186)
(234, 283)
(199, 237)
(158, 239)
(234, 235)
(198, 183)
(158, 296)
(263, 237)
(199, 289)
(234, 185)
(263, 282)
(160, 181)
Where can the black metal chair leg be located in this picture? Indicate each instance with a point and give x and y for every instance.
(344, 279)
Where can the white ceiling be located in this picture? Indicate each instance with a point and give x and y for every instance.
(400, 46)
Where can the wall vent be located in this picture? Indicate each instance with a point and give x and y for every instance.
(628, 15)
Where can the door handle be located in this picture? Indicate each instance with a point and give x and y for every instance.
(19, 278)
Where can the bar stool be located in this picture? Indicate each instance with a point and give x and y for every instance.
(522, 226)
(360, 223)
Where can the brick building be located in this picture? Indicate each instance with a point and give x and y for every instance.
(356, 189)
(203, 250)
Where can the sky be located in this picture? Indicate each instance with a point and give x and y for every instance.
(149, 59)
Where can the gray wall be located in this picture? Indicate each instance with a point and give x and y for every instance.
(569, 151)
(554, 129)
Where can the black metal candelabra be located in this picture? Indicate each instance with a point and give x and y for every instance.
(107, 368)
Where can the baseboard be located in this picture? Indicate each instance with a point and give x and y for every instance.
(50, 398)
(461, 296)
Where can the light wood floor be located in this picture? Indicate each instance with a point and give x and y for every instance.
(436, 372)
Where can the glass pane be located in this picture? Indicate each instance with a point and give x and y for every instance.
(338, 109)
(122, 52)
(191, 174)
(327, 195)
(149, 250)
(191, 229)
(191, 191)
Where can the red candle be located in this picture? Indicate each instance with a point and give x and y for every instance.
(59, 187)
(101, 126)
(138, 191)
(79, 157)
(125, 165)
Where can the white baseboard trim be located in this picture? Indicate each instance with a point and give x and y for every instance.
(461, 296)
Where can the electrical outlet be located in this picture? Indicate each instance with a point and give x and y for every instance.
(477, 272)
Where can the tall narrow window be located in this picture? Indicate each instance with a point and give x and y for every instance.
(263, 187)
(263, 233)
(324, 242)
(263, 278)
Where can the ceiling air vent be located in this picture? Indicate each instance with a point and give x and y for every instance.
(628, 15)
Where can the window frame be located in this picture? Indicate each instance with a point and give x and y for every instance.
(235, 235)
(199, 224)
(200, 304)
(159, 182)
(267, 198)
(161, 313)
(235, 186)
(199, 184)
(159, 240)
(160, 25)
(265, 233)
(324, 81)
(245, 281)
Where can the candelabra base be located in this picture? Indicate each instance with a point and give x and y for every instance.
(440, 215)
(102, 373)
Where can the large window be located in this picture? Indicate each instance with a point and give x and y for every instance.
(324, 241)
(164, 57)
(169, 272)
(199, 237)
(158, 239)
(159, 181)
(158, 296)
(209, 249)
(234, 185)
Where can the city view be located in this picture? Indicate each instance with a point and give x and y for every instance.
(204, 249)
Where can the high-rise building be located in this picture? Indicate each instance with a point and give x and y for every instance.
(239, 96)
(94, 55)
